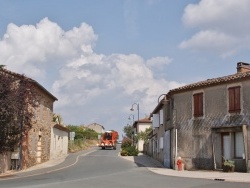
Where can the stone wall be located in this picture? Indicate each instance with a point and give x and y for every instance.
(36, 144)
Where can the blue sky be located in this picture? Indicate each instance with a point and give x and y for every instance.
(100, 57)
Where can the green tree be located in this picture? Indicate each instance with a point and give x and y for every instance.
(128, 130)
(82, 132)
(143, 135)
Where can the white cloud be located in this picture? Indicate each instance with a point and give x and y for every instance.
(210, 40)
(29, 47)
(89, 86)
(221, 22)
(158, 62)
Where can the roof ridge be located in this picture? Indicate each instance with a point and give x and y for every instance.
(213, 81)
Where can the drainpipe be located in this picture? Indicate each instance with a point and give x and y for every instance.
(245, 154)
(175, 145)
(215, 167)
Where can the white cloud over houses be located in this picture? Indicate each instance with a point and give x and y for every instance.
(222, 25)
(89, 86)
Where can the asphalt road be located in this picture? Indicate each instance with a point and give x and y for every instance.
(105, 169)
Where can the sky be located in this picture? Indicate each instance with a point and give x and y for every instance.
(99, 57)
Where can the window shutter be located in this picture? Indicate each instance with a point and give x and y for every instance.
(231, 99)
(234, 99)
(200, 104)
(237, 98)
(195, 105)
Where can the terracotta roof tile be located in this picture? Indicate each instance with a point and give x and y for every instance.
(212, 82)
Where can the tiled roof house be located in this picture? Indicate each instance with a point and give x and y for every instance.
(208, 122)
(36, 142)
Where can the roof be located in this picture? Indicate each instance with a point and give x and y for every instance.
(30, 80)
(212, 82)
(144, 120)
(158, 107)
(60, 127)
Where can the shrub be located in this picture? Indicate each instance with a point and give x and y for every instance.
(126, 142)
(124, 153)
(129, 151)
(132, 151)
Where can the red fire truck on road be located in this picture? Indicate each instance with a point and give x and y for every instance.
(108, 140)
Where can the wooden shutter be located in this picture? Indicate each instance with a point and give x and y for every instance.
(195, 97)
(237, 99)
(198, 104)
(231, 99)
(200, 96)
(234, 99)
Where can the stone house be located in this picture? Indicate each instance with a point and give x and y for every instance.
(35, 143)
(208, 122)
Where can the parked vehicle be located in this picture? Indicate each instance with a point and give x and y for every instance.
(108, 140)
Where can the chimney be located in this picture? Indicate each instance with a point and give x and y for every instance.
(243, 67)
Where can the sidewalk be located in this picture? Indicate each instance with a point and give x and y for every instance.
(156, 167)
(49, 166)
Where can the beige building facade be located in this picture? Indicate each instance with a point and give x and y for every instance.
(206, 123)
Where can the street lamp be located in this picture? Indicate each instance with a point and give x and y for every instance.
(132, 109)
(161, 96)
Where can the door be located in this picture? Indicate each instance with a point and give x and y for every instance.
(167, 149)
(226, 146)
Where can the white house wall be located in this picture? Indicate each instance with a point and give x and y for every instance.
(59, 143)
(141, 128)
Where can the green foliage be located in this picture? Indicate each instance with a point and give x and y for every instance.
(144, 135)
(132, 151)
(18, 100)
(229, 163)
(124, 153)
(126, 142)
(82, 132)
(128, 130)
(128, 149)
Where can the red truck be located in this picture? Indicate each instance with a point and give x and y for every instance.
(108, 140)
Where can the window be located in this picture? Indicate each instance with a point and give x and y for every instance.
(234, 99)
(239, 145)
(198, 104)
(233, 145)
